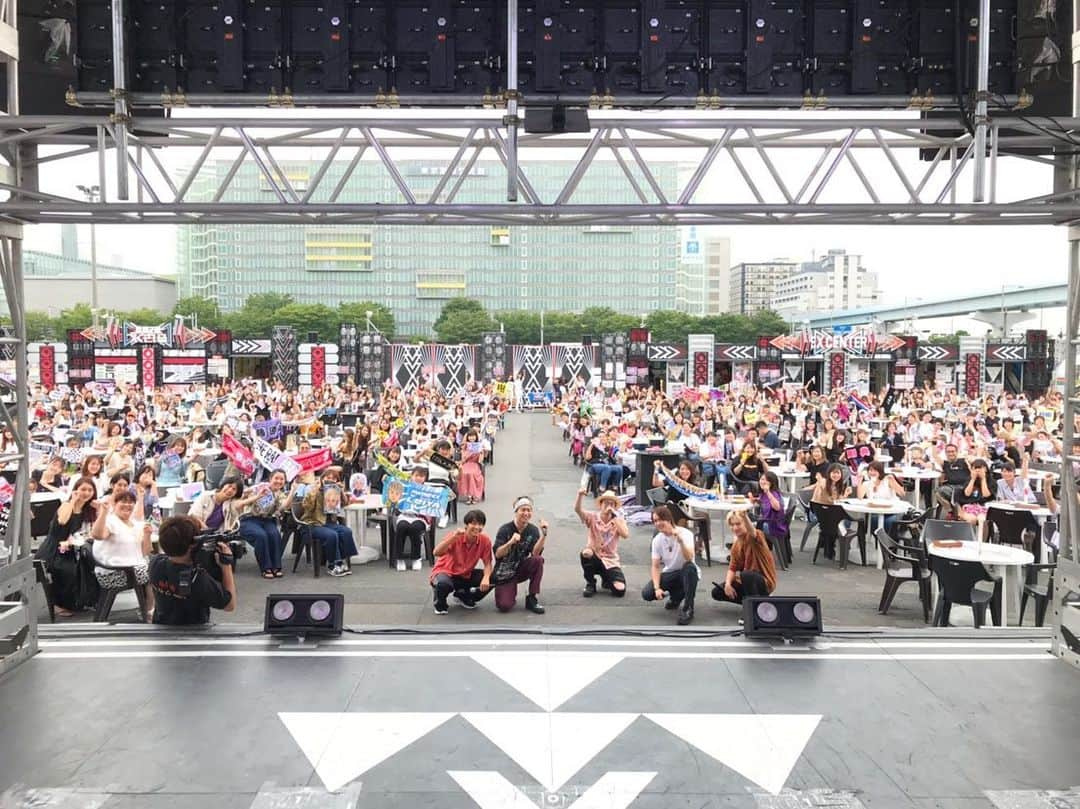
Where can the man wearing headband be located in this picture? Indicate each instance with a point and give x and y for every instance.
(519, 548)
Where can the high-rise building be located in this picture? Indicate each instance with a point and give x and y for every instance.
(837, 281)
(751, 284)
(701, 278)
(415, 270)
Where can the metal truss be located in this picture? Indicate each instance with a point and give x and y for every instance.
(18, 617)
(732, 171)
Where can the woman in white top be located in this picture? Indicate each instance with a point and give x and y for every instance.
(121, 540)
(879, 487)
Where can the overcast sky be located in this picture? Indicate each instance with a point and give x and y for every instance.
(910, 261)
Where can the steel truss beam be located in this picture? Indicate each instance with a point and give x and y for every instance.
(733, 171)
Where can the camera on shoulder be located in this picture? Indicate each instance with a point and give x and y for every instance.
(205, 553)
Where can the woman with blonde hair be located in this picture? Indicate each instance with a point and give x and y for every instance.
(751, 571)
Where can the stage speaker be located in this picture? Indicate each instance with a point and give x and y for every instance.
(492, 356)
(299, 614)
(781, 616)
(1036, 344)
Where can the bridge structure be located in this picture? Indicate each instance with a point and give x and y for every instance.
(999, 307)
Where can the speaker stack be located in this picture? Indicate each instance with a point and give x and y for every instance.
(614, 349)
(492, 357)
(1039, 364)
(81, 356)
(347, 355)
(371, 360)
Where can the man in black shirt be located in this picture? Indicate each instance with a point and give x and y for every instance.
(519, 558)
(955, 474)
(184, 593)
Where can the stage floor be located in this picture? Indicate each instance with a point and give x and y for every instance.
(104, 719)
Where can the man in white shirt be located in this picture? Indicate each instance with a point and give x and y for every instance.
(674, 574)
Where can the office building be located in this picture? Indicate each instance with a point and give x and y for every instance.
(701, 277)
(837, 281)
(415, 270)
(54, 282)
(751, 284)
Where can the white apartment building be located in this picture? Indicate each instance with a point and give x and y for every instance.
(752, 284)
(835, 282)
(701, 279)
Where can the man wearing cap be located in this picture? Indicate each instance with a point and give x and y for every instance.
(600, 556)
(519, 549)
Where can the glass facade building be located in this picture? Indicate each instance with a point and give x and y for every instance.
(414, 270)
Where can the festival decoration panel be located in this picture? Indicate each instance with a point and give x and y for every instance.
(533, 362)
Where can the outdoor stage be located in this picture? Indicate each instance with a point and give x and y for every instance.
(110, 717)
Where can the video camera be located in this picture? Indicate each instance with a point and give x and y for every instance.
(206, 550)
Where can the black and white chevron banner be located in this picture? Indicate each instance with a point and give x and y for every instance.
(663, 352)
(532, 362)
(575, 362)
(242, 347)
(407, 363)
(283, 360)
(456, 364)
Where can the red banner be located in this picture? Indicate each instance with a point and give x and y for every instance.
(314, 460)
(239, 454)
(318, 366)
(47, 364)
(148, 367)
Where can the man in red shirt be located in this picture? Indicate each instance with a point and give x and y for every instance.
(455, 565)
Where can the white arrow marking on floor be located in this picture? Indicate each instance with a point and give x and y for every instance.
(343, 746)
(761, 747)
(1033, 798)
(547, 678)
(490, 790)
(551, 747)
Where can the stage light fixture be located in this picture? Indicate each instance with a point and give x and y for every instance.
(556, 119)
(782, 616)
(303, 614)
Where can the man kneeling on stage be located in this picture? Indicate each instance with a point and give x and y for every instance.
(455, 565)
(184, 591)
(674, 573)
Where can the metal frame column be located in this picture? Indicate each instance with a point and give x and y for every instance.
(1065, 618)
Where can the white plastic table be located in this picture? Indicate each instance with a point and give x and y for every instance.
(356, 519)
(791, 479)
(722, 506)
(1006, 558)
(918, 475)
(872, 508)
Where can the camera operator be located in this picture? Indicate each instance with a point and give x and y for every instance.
(186, 591)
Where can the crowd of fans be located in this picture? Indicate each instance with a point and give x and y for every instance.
(115, 460)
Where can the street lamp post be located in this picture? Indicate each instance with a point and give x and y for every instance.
(93, 193)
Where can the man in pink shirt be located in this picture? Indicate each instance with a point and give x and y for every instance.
(600, 557)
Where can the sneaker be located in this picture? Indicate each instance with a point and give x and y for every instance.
(590, 590)
(400, 565)
(443, 520)
(465, 601)
(337, 570)
(672, 604)
(532, 604)
(347, 569)
(417, 564)
(441, 609)
(686, 615)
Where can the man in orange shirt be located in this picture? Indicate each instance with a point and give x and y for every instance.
(455, 565)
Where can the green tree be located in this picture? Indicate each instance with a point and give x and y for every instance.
(309, 317)
(598, 320)
(669, 326)
(205, 310)
(77, 317)
(142, 317)
(356, 312)
(267, 302)
(40, 326)
(462, 320)
(522, 328)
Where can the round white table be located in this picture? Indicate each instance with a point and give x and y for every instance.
(918, 475)
(356, 519)
(790, 479)
(1037, 476)
(870, 509)
(722, 506)
(1006, 558)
